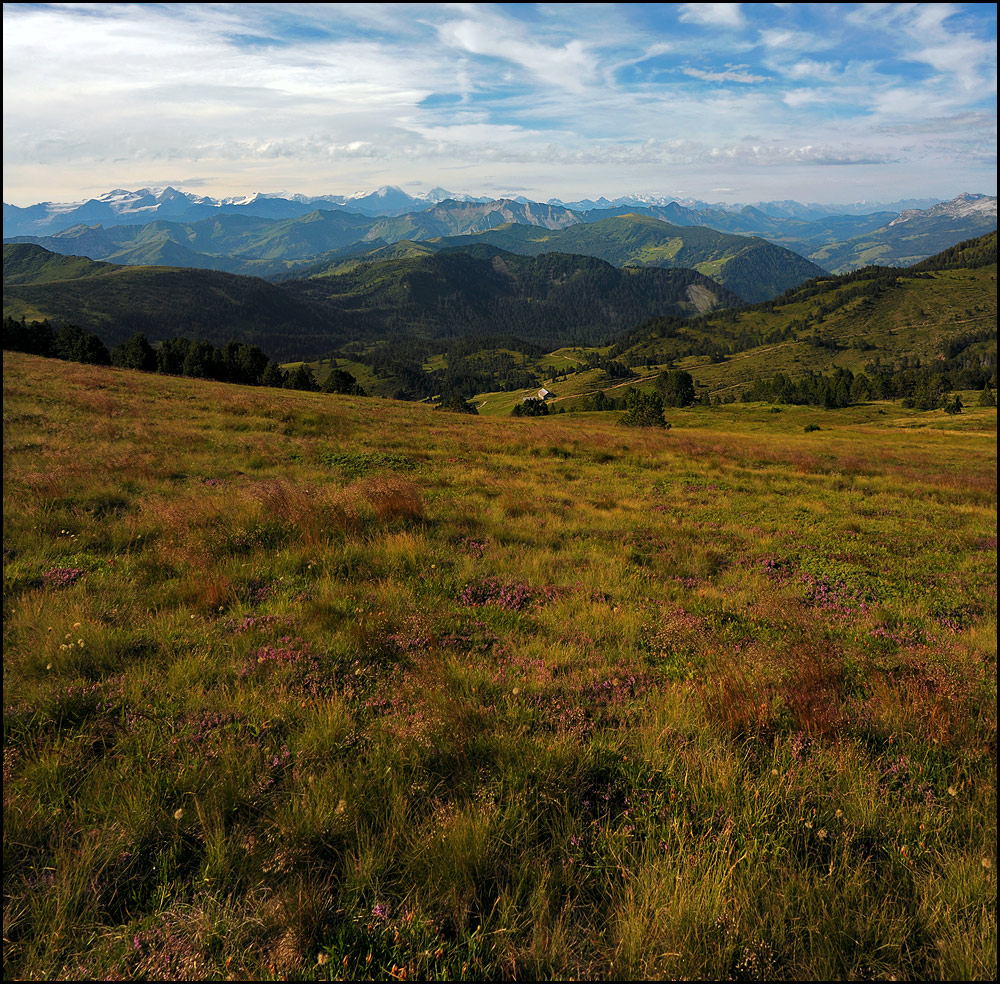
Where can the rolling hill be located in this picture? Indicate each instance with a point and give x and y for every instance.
(944, 309)
(115, 302)
(754, 269)
(552, 299)
(450, 294)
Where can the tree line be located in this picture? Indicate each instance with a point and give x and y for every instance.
(234, 362)
(927, 388)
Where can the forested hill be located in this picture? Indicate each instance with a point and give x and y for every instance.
(552, 300)
(942, 310)
(115, 302)
(754, 269)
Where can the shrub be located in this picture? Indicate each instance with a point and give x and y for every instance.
(530, 408)
(676, 387)
(643, 410)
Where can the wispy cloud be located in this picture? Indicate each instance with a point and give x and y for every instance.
(569, 65)
(720, 14)
(738, 74)
(333, 97)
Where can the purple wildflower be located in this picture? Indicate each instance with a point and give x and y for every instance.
(62, 577)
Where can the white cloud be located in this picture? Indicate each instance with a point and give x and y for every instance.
(567, 66)
(719, 14)
(736, 74)
(315, 96)
(797, 98)
(971, 63)
(789, 40)
(807, 68)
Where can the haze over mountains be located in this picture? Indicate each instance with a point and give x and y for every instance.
(123, 207)
(140, 227)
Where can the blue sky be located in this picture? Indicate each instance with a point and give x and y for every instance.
(719, 101)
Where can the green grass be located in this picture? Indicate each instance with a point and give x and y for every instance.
(917, 318)
(316, 687)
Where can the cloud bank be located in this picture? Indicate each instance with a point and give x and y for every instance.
(786, 100)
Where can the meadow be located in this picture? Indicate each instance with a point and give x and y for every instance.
(300, 686)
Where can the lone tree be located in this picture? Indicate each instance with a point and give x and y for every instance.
(341, 381)
(643, 410)
(302, 378)
(676, 387)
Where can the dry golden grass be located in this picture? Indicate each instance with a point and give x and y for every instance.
(333, 688)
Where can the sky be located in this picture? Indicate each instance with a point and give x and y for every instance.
(724, 102)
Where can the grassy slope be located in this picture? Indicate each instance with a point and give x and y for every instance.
(901, 244)
(340, 688)
(29, 264)
(750, 267)
(914, 319)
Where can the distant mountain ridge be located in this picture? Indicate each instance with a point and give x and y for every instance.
(168, 202)
(124, 207)
(114, 226)
(752, 268)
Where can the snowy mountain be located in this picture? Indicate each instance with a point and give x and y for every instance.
(837, 237)
(965, 206)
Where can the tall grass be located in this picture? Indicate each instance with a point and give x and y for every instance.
(357, 690)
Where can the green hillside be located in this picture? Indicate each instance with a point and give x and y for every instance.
(939, 317)
(754, 269)
(115, 302)
(901, 243)
(28, 264)
(945, 307)
(551, 299)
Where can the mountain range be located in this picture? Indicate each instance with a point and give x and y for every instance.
(114, 226)
(750, 267)
(124, 207)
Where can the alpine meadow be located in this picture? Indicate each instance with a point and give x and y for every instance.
(429, 585)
